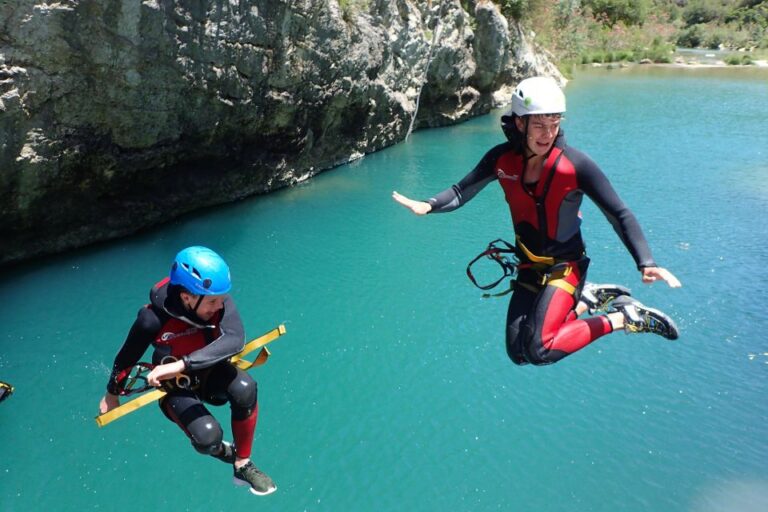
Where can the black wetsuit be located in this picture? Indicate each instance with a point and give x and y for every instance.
(542, 327)
(205, 348)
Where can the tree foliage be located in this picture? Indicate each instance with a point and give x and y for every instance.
(608, 30)
(629, 12)
(703, 11)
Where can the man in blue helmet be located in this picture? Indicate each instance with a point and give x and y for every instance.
(194, 327)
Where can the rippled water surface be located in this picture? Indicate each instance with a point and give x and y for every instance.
(392, 389)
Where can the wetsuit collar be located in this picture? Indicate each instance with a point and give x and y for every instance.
(169, 300)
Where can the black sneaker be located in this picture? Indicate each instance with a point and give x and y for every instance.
(227, 453)
(639, 318)
(260, 482)
(598, 297)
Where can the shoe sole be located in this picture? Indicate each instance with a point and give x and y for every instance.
(604, 300)
(241, 483)
(663, 318)
(657, 315)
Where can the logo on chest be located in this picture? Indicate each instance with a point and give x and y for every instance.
(167, 336)
(504, 176)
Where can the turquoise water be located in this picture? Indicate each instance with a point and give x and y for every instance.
(392, 389)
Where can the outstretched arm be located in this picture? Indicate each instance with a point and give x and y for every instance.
(596, 185)
(461, 193)
(417, 207)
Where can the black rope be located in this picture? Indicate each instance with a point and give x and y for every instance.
(504, 255)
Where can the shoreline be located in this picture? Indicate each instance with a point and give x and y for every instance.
(757, 64)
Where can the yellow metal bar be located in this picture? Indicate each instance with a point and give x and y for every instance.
(136, 403)
(244, 364)
(260, 342)
(237, 360)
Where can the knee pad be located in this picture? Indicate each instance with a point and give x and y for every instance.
(243, 393)
(206, 438)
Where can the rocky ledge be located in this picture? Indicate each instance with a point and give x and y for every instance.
(116, 115)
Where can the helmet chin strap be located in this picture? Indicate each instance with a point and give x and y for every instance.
(197, 304)
(530, 151)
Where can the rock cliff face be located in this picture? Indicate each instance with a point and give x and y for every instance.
(118, 114)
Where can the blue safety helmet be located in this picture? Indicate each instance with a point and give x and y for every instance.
(201, 271)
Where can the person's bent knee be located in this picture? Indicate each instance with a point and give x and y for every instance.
(207, 440)
(516, 357)
(244, 393)
(543, 357)
(539, 361)
(518, 338)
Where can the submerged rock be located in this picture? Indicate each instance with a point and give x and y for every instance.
(119, 115)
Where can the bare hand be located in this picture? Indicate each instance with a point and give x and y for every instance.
(417, 207)
(108, 402)
(165, 372)
(652, 274)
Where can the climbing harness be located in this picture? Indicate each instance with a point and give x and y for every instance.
(237, 360)
(503, 253)
(542, 271)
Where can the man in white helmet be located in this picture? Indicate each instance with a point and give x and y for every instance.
(544, 181)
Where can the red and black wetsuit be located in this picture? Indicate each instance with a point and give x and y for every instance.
(542, 327)
(205, 348)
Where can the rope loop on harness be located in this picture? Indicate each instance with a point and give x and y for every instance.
(503, 253)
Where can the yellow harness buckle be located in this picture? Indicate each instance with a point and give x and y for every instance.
(547, 260)
(563, 285)
(558, 274)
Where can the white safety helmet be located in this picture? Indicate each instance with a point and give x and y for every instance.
(537, 95)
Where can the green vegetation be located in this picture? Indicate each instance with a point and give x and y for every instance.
(349, 8)
(737, 60)
(588, 31)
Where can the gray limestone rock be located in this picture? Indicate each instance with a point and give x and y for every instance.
(117, 114)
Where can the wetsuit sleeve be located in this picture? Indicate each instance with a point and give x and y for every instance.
(136, 343)
(597, 187)
(230, 342)
(462, 192)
